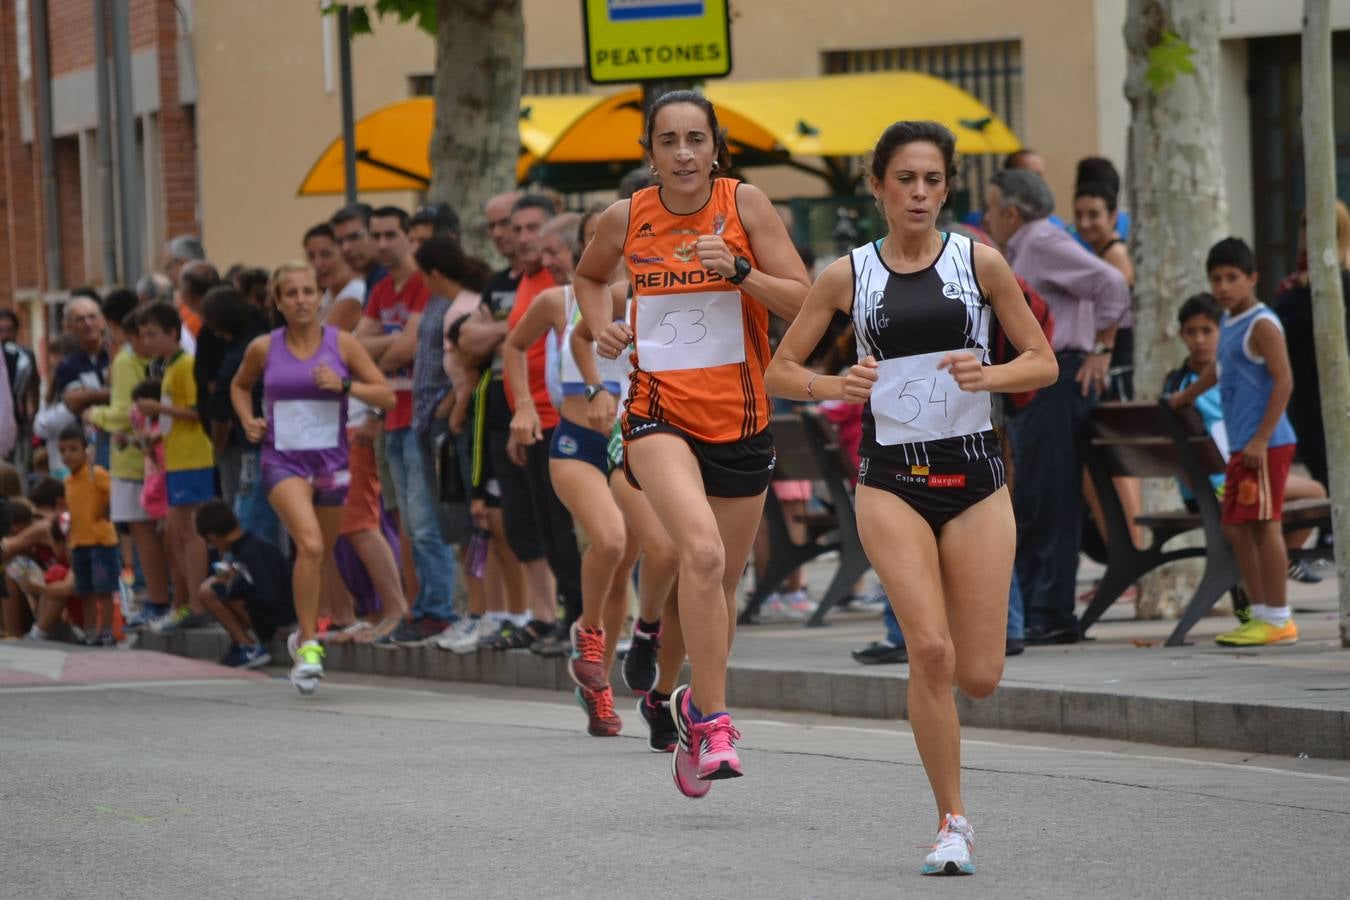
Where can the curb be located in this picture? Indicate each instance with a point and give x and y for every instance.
(1176, 722)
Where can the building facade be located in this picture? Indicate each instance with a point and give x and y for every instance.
(235, 99)
(35, 271)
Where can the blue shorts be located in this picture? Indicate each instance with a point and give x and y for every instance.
(572, 441)
(190, 486)
(97, 570)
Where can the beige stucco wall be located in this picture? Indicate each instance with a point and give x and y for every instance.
(263, 117)
(785, 39)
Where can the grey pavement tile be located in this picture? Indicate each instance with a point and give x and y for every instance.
(859, 695)
(754, 687)
(1029, 709)
(1291, 731)
(1233, 726)
(897, 698)
(1093, 714)
(1267, 728)
(494, 668)
(532, 670)
(978, 713)
(808, 691)
(1155, 720)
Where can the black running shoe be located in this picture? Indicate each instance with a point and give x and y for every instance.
(880, 653)
(501, 638)
(639, 666)
(523, 638)
(661, 725)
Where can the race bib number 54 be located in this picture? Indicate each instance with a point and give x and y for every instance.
(689, 331)
(913, 400)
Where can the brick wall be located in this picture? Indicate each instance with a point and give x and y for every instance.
(22, 263)
(71, 214)
(18, 176)
(71, 25)
(178, 138)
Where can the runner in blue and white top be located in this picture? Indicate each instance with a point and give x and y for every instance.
(578, 468)
(932, 511)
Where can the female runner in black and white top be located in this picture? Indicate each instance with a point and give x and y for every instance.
(933, 512)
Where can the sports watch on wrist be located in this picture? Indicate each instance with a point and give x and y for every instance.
(346, 385)
(1100, 349)
(742, 270)
(592, 390)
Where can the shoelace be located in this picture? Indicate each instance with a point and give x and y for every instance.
(720, 735)
(310, 654)
(603, 701)
(591, 645)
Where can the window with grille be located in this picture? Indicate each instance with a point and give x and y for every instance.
(991, 71)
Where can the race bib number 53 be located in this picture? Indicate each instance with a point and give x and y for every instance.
(913, 400)
(689, 331)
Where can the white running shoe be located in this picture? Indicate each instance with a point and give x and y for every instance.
(308, 667)
(800, 603)
(776, 606)
(461, 637)
(951, 850)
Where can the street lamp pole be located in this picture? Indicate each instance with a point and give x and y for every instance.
(348, 116)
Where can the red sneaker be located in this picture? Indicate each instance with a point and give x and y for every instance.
(603, 721)
(587, 663)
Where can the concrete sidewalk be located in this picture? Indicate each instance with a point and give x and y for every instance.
(1124, 685)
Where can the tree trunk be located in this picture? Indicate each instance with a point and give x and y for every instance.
(1324, 273)
(480, 52)
(1175, 183)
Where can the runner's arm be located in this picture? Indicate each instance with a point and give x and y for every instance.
(241, 387)
(787, 375)
(597, 264)
(780, 280)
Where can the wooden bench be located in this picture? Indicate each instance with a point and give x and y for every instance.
(1151, 440)
(808, 450)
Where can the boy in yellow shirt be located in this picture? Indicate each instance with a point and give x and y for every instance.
(189, 463)
(93, 540)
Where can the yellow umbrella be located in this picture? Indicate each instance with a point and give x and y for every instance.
(392, 142)
(843, 115)
(834, 115)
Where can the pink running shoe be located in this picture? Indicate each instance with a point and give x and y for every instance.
(587, 663)
(684, 761)
(717, 757)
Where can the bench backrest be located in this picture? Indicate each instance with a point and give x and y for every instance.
(1145, 440)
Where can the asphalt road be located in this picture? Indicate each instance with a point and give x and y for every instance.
(384, 788)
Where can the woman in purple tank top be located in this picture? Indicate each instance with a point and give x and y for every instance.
(308, 372)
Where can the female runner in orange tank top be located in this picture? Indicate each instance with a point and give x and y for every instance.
(708, 259)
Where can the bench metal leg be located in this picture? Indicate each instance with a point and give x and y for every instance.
(1221, 574)
(852, 566)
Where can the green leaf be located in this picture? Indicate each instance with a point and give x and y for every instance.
(423, 12)
(1167, 59)
(360, 21)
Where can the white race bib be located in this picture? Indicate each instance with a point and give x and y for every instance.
(689, 331)
(913, 400)
(306, 424)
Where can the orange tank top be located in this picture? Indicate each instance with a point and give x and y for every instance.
(701, 343)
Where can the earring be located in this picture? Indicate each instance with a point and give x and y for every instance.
(653, 168)
(715, 167)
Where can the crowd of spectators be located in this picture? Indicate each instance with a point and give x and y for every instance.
(134, 499)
